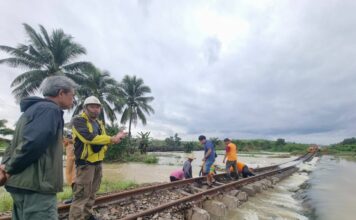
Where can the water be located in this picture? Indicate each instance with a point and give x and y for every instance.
(277, 203)
(333, 191)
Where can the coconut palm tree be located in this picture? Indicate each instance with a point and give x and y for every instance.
(44, 55)
(134, 103)
(101, 85)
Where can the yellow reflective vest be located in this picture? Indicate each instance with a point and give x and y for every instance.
(89, 146)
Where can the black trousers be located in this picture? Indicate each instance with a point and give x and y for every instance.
(246, 172)
(172, 178)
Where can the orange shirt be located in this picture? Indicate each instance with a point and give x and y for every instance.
(231, 152)
(239, 165)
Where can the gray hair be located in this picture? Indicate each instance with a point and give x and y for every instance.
(53, 84)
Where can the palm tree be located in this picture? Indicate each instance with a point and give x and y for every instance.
(101, 85)
(44, 55)
(134, 102)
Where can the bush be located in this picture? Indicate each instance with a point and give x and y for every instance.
(188, 147)
(5, 201)
(137, 157)
(150, 159)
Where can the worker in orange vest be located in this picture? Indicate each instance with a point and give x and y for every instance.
(231, 156)
(70, 167)
(243, 169)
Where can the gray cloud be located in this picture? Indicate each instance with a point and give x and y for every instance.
(226, 68)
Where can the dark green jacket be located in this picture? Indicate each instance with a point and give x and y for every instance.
(34, 158)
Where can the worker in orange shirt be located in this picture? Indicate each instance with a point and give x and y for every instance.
(243, 169)
(70, 167)
(231, 156)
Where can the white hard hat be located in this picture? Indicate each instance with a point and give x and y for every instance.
(92, 100)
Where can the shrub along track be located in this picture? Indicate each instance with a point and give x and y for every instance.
(146, 202)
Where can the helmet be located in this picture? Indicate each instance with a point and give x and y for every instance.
(91, 100)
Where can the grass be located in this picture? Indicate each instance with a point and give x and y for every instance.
(5, 201)
(105, 187)
(109, 186)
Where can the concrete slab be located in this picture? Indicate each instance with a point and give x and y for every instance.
(249, 190)
(215, 208)
(257, 187)
(274, 180)
(231, 202)
(263, 184)
(242, 196)
(268, 183)
(197, 214)
(233, 192)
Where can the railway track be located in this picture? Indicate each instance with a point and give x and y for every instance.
(143, 203)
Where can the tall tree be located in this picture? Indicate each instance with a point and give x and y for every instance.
(134, 103)
(101, 85)
(42, 56)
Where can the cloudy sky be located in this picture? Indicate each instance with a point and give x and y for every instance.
(240, 69)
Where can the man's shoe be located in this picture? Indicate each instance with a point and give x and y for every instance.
(68, 201)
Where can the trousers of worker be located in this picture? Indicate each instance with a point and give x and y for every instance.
(87, 184)
(70, 164)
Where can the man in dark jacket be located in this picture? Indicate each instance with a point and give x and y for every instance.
(33, 162)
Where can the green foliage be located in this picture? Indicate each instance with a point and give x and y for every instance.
(4, 144)
(66, 194)
(105, 186)
(150, 159)
(5, 201)
(161, 145)
(188, 147)
(346, 147)
(280, 141)
(349, 141)
(217, 142)
(174, 141)
(144, 141)
(140, 158)
(109, 186)
(266, 145)
(125, 151)
(170, 141)
(41, 56)
(3, 129)
(116, 151)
